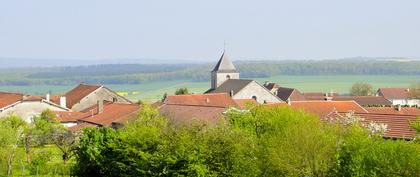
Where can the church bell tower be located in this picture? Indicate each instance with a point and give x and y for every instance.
(223, 71)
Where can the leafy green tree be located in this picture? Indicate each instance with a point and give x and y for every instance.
(181, 91)
(11, 133)
(361, 89)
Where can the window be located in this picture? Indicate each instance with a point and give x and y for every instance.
(254, 97)
(228, 77)
(114, 99)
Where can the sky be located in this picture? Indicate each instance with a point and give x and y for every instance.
(199, 29)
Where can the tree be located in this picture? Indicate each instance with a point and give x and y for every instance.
(414, 91)
(181, 91)
(361, 89)
(11, 133)
(164, 97)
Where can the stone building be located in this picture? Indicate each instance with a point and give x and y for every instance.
(26, 106)
(225, 79)
(85, 96)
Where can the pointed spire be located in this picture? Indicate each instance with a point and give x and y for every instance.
(224, 64)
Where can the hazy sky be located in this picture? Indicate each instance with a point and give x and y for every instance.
(197, 29)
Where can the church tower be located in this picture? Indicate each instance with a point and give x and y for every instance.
(223, 71)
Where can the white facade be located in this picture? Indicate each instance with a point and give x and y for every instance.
(217, 78)
(407, 102)
(255, 91)
(28, 109)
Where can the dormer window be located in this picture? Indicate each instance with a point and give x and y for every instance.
(228, 77)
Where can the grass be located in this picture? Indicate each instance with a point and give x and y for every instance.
(319, 83)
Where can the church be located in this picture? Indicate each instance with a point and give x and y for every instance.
(225, 79)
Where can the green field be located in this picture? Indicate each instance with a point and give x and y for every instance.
(153, 91)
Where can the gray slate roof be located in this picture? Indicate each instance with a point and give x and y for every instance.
(224, 64)
(232, 84)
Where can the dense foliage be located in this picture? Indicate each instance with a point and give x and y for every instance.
(140, 73)
(361, 89)
(42, 147)
(262, 142)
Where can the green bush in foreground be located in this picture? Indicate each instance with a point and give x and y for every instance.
(263, 142)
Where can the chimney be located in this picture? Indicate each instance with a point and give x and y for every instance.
(231, 93)
(47, 97)
(399, 108)
(207, 100)
(63, 102)
(100, 106)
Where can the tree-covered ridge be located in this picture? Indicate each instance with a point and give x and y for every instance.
(141, 73)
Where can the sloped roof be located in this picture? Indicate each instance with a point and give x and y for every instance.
(285, 93)
(78, 93)
(365, 100)
(324, 108)
(271, 85)
(392, 110)
(398, 126)
(113, 112)
(79, 127)
(7, 99)
(242, 103)
(213, 99)
(394, 93)
(189, 114)
(64, 116)
(224, 64)
(234, 85)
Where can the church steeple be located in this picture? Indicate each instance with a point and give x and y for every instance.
(224, 64)
(223, 71)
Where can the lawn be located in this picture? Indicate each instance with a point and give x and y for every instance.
(154, 91)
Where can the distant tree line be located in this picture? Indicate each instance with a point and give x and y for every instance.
(138, 74)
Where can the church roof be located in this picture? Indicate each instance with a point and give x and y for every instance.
(224, 64)
(234, 85)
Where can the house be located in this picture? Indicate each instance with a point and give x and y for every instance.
(284, 93)
(84, 96)
(225, 79)
(26, 106)
(203, 108)
(324, 109)
(398, 96)
(366, 101)
(102, 114)
(398, 126)
(319, 95)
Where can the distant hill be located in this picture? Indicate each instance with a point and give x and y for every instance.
(143, 73)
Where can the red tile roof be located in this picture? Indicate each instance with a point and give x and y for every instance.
(7, 99)
(365, 100)
(394, 93)
(324, 108)
(64, 116)
(398, 126)
(213, 99)
(75, 95)
(242, 103)
(393, 110)
(189, 114)
(80, 127)
(113, 112)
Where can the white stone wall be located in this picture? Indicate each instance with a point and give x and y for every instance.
(409, 102)
(255, 89)
(99, 94)
(27, 109)
(217, 79)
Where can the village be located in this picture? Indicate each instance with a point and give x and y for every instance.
(89, 105)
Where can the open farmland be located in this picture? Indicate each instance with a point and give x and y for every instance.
(153, 91)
